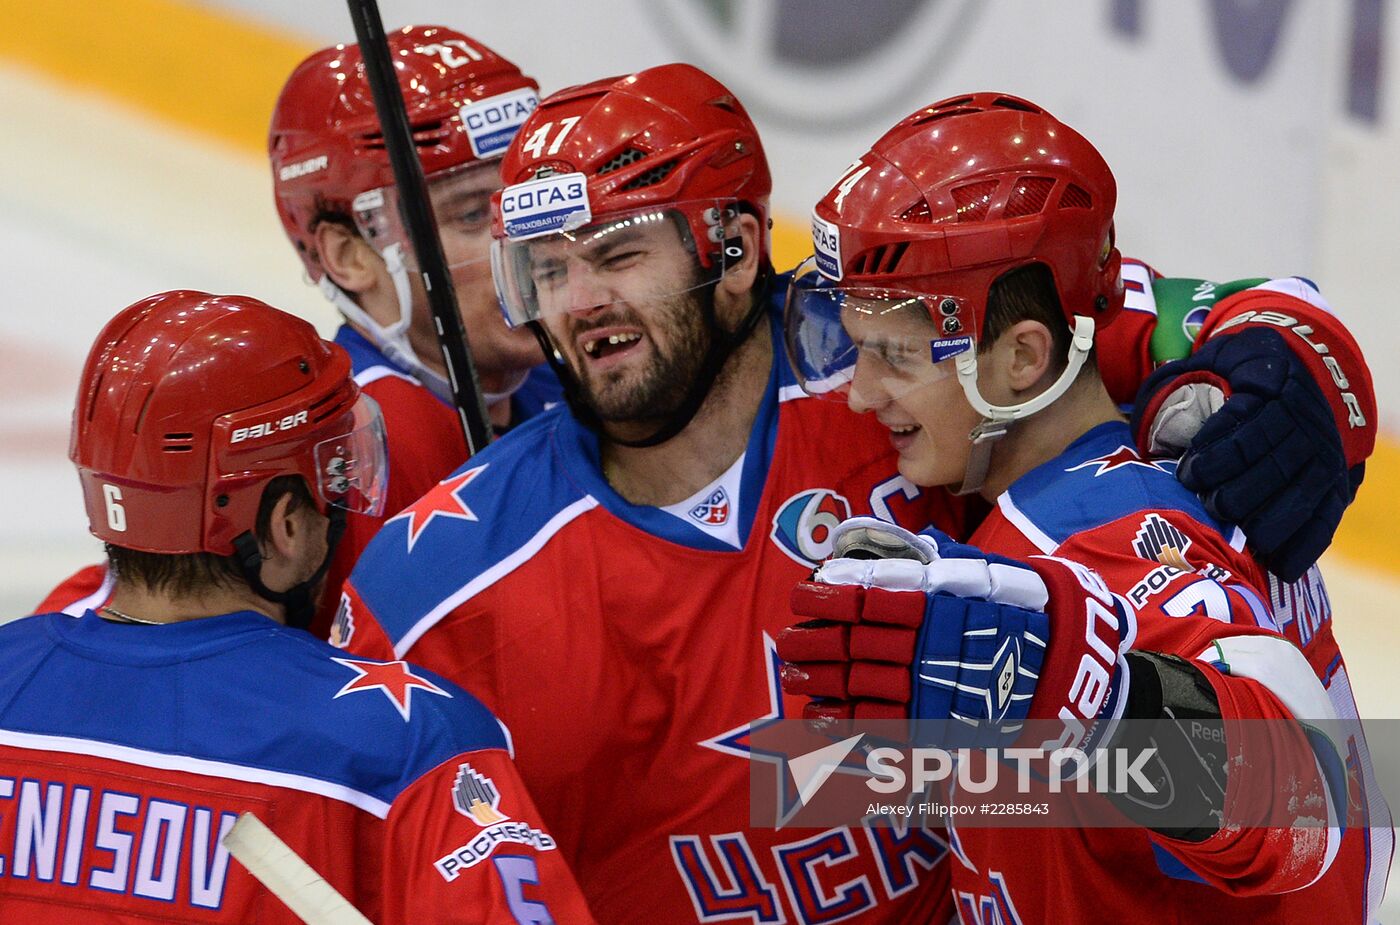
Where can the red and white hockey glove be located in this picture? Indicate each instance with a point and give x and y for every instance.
(952, 633)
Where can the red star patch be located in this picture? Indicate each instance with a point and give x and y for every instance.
(444, 501)
(395, 679)
(1118, 459)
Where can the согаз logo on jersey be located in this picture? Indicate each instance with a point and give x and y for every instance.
(802, 527)
(475, 795)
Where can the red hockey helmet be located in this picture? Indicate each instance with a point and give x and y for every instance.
(190, 403)
(623, 152)
(952, 197)
(464, 104)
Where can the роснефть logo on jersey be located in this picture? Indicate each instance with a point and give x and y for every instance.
(1158, 539)
(802, 527)
(475, 795)
(343, 626)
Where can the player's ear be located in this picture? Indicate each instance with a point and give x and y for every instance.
(293, 544)
(347, 258)
(740, 269)
(1026, 354)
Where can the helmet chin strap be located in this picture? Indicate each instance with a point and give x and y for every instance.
(997, 419)
(392, 340)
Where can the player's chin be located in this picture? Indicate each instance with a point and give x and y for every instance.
(921, 464)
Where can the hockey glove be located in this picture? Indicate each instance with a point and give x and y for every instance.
(948, 633)
(1257, 441)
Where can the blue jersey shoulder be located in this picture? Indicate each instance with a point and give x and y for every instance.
(237, 689)
(480, 522)
(1098, 479)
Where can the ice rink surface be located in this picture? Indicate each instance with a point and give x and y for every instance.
(100, 206)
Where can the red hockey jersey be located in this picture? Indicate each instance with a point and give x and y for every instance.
(629, 649)
(1099, 503)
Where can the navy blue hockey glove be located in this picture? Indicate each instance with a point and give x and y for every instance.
(1257, 441)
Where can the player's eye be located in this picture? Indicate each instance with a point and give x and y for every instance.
(548, 275)
(894, 354)
(470, 215)
(621, 260)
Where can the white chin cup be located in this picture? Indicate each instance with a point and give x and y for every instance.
(997, 419)
(392, 340)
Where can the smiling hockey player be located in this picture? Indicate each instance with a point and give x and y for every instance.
(972, 342)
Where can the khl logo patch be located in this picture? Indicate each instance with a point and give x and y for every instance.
(714, 510)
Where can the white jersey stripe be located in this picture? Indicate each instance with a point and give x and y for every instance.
(192, 765)
(790, 392)
(494, 574)
(1021, 522)
(380, 371)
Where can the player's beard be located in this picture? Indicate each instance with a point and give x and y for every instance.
(657, 391)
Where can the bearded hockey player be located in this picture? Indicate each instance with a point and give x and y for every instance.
(966, 263)
(220, 444)
(631, 557)
(336, 197)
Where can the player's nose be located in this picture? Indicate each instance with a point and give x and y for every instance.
(584, 290)
(868, 391)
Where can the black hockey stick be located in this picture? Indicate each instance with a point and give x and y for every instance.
(417, 214)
